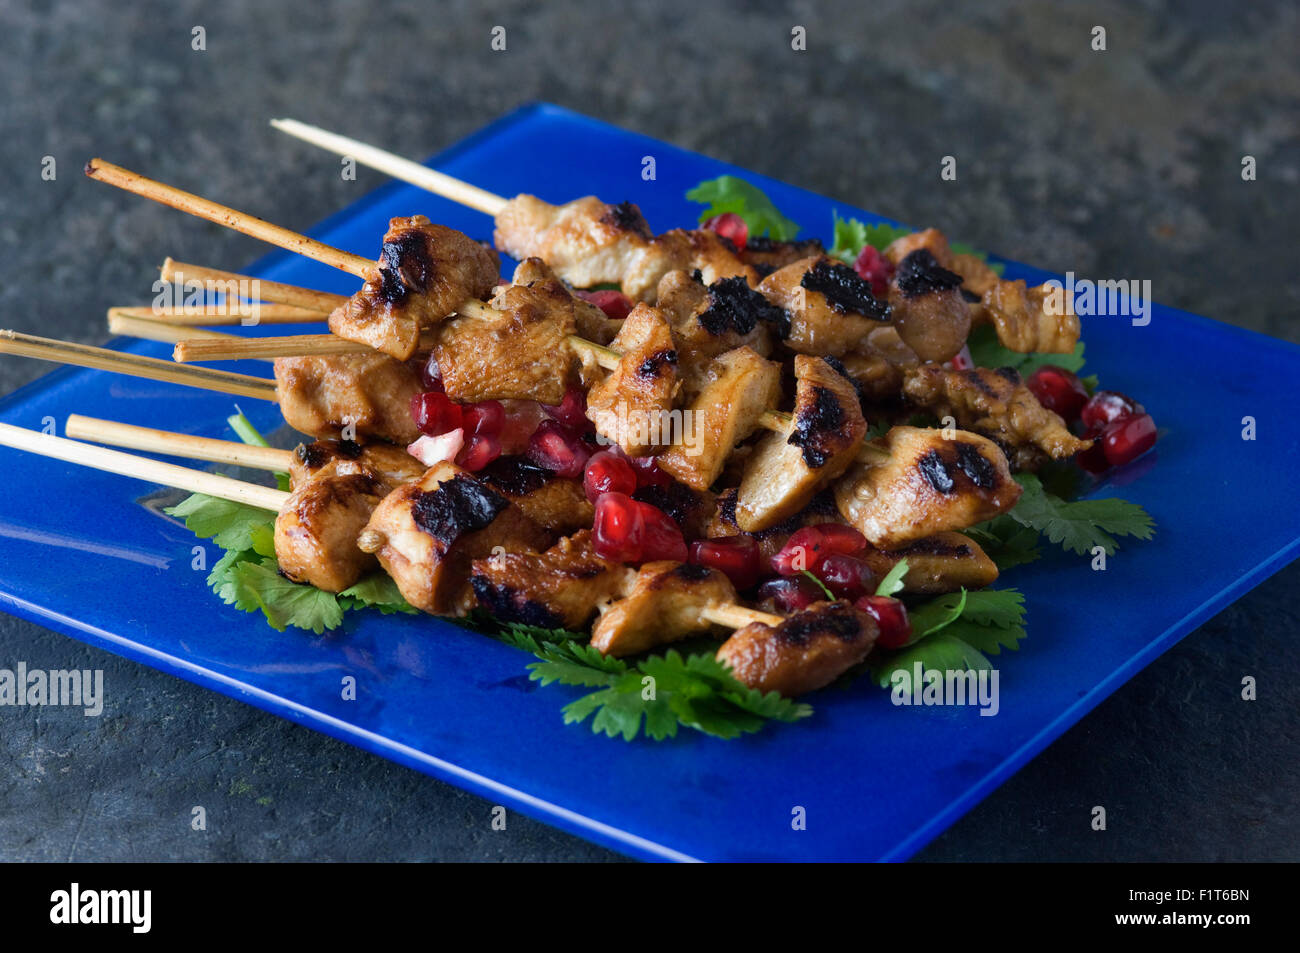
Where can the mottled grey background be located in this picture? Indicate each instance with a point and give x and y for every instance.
(1122, 163)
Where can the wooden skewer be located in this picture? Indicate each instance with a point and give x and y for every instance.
(737, 617)
(404, 169)
(99, 358)
(149, 440)
(308, 299)
(231, 218)
(142, 468)
(149, 330)
(221, 314)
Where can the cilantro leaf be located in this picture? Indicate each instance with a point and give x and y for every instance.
(941, 652)
(377, 591)
(987, 351)
(850, 236)
(730, 194)
(1006, 541)
(936, 614)
(259, 585)
(1080, 526)
(893, 580)
(230, 525)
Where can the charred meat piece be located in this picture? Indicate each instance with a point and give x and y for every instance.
(689, 509)
(786, 470)
(929, 239)
(320, 396)
(807, 651)
(552, 502)
(976, 275)
(391, 465)
(944, 562)
(424, 273)
(561, 588)
(929, 485)
(876, 377)
(821, 509)
(663, 606)
(1032, 319)
(766, 255)
(697, 250)
(930, 313)
(316, 530)
(830, 308)
(427, 533)
(522, 354)
(739, 387)
(591, 322)
(631, 405)
(993, 403)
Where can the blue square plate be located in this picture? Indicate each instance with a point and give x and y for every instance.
(88, 556)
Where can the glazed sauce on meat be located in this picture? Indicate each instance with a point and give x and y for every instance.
(837, 620)
(735, 306)
(627, 217)
(458, 506)
(845, 290)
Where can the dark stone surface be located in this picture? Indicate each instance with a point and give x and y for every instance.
(1122, 163)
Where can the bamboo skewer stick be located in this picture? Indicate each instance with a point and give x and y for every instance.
(142, 468)
(404, 169)
(231, 218)
(308, 299)
(222, 314)
(737, 617)
(99, 358)
(147, 329)
(149, 440)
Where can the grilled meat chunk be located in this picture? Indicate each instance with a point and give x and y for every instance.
(929, 239)
(944, 562)
(392, 465)
(876, 377)
(821, 509)
(698, 250)
(631, 405)
(522, 354)
(929, 485)
(807, 651)
(320, 396)
(427, 533)
(930, 314)
(552, 502)
(1032, 319)
(316, 530)
(993, 403)
(689, 509)
(976, 275)
(830, 308)
(663, 606)
(560, 588)
(786, 470)
(424, 273)
(740, 387)
(591, 322)
(766, 255)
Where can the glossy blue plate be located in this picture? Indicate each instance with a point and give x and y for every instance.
(90, 556)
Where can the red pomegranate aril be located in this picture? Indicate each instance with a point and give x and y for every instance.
(732, 226)
(735, 556)
(1059, 390)
(608, 473)
(875, 268)
(522, 418)
(558, 448)
(845, 576)
(648, 472)
(435, 413)
(805, 549)
(431, 375)
(790, 593)
(481, 450)
(1107, 406)
(572, 411)
(663, 537)
(891, 618)
(842, 539)
(619, 529)
(1093, 460)
(615, 304)
(1128, 438)
(485, 417)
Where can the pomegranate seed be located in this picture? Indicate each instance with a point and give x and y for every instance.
(962, 361)
(435, 413)
(736, 556)
(615, 304)
(891, 618)
(730, 226)
(647, 471)
(845, 576)
(619, 530)
(790, 593)
(1059, 390)
(608, 473)
(842, 539)
(572, 411)
(663, 537)
(431, 376)
(481, 450)
(1093, 460)
(805, 549)
(522, 419)
(1128, 438)
(485, 417)
(1107, 406)
(875, 268)
(557, 448)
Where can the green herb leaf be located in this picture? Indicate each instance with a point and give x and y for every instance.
(730, 194)
(851, 236)
(259, 585)
(228, 524)
(941, 652)
(893, 581)
(937, 614)
(830, 596)
(377, 591)
(1080, 526)
(1006, 541)
(244, 429)
(987, 351)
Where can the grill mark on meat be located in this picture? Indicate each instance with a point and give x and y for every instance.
(515, 475)
(675, 499)
(931, 547)
(628, 218)
(337, 492)
(836, 619)
(316, 454)
(813, 427)
(845, 290)
(653, 364)
(690, 572)
(935, 471)
(920, 273)
(511, 605)
(1009, 374)
(843, 371)
(976, 466)
(766, 243)
(970, 297)
(735, 306)
(976, 380)
(458, 506)
(406, 267)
